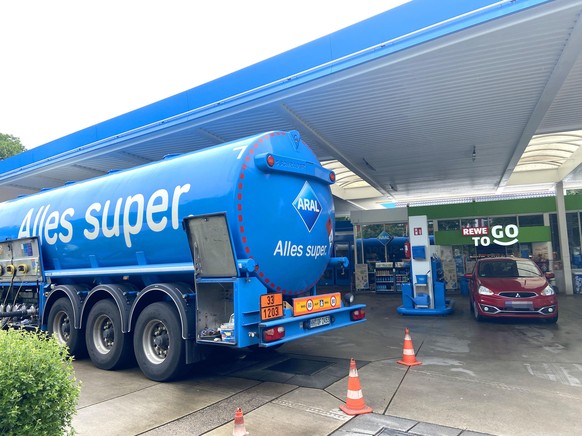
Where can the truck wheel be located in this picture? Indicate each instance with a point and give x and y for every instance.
(61, 324)
(158, 344)
(108, 346)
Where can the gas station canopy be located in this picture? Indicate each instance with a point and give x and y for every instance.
(433, 100)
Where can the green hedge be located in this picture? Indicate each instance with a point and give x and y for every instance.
(38, 388)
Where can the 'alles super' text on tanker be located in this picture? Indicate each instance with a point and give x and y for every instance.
(126, 215)
(287, 248)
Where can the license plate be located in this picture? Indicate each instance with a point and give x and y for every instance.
(318, 322)
(523, 305)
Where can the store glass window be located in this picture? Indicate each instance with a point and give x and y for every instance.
(448, 225)
(555, 236)
(530, 220)
(502, 221)
(399, 229)
(342, 250)
(394, 229)
(475, 222)
(573, 226)
(522, 250)
(373, 249)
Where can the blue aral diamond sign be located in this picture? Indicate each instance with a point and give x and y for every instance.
(307, 206)
(385, 237)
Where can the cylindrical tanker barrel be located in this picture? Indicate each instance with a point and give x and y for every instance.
(274, 192)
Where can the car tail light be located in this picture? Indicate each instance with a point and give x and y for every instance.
(358, 314)
(274, 334)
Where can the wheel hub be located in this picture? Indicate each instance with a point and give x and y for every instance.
(108, 335)
(156, 341)
(65, 328)
(62, 327)
(161, 341)
(104, 334)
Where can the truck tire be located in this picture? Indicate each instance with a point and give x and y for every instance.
(108, 347)
(61, 325)
(158, 344)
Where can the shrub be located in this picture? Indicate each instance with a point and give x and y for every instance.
(38, 388)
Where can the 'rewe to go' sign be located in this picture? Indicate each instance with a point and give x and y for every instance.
(483, 235)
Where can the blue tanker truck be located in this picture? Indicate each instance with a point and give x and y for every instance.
(220, 247)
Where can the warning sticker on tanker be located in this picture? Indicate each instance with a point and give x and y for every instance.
(271, 306)
(318, 303)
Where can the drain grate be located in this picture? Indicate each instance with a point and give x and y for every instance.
(300, 366)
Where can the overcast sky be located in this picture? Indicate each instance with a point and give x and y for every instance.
(66, 65)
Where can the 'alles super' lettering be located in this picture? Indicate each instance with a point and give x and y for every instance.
(127, 216)
(287, 248)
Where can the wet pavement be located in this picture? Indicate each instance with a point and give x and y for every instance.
(498, 378)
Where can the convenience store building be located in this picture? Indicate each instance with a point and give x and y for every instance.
(526, 227)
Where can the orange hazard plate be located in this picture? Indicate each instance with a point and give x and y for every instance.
(271, 306)
(318, 303)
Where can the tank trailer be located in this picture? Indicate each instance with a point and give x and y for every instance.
(220, 247)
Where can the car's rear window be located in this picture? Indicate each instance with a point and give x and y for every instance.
(508, 268)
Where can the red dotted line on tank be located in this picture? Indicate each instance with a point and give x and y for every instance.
(239, 207)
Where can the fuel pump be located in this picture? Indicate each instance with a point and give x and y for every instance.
(425, 293)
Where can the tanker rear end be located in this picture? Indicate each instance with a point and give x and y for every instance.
(216, 248)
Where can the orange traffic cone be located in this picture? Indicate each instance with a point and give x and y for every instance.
(408, 357)
(239, 424)
(355, 400)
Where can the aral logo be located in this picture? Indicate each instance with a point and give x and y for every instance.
(385, 238)
(308, 206)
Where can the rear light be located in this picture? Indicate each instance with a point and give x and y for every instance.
(274, 334)
(358, 314)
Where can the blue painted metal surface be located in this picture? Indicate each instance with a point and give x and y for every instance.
(415, 306)
(408, 25)
(248, 319)
(275, 195)
(295, 327)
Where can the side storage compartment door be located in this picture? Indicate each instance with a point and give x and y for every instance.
(216, 273)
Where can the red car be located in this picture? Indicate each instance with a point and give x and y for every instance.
(508, 287)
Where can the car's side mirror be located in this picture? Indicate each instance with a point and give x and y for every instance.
(468, 276)
(550, 275)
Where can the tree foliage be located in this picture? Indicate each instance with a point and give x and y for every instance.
(10, 145)
(38, 389)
